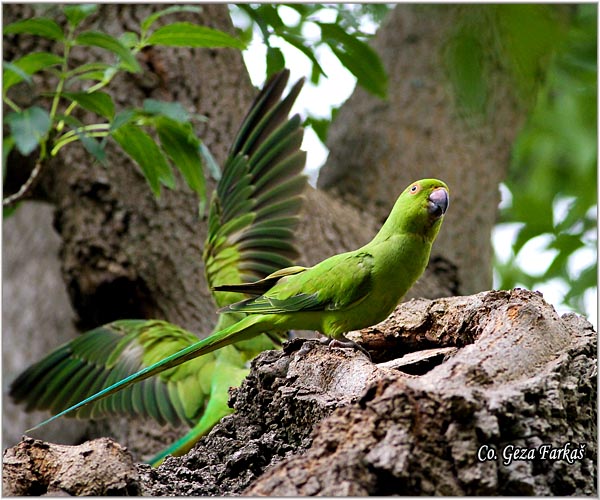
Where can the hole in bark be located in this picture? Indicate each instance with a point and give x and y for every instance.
(387, 484)
(421, 367)
(37, 488)
(420, 362)
(120, 298)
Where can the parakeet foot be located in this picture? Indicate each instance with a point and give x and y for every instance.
(306, 347)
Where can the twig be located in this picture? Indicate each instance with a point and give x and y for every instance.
(26, 187)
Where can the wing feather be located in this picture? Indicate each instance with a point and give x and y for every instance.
(315, 289)
(255, 207)
(86, 365)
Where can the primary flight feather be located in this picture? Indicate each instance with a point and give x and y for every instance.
(345, 292)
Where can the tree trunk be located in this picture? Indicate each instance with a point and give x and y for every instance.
(377, 148)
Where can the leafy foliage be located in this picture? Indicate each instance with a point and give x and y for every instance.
(82, 86)
(343, 36)
(550, 50)
(553, 175)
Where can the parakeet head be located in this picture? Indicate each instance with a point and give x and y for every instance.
(419, 209)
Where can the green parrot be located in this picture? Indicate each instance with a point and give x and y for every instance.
(345, 292)
(252, 218)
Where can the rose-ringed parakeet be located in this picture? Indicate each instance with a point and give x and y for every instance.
(345, 292)
(252, 218)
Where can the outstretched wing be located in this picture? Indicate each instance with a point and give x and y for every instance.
(255, 207)
(100, 357)
(253, 214)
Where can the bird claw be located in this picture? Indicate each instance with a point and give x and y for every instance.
(306, 347)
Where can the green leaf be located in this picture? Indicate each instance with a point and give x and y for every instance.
(252, 13)
(9, 211)
(89, 71)
(29, 128)
(319, 125)
(152, 18)
(12, 74)
(93, 147)
(192, 35)
(270, 15)
(358, 57)
(464, 61)
(129, 39)
(77, 13)
(41, 26)
(29, 65)
(96, 102)
(145, 152)
(182, 146)
(211, 163)
(124, 117)
(107, 42)
(588, 278)
(173, 110)
(275, 60)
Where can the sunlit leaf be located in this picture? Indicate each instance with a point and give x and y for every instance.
(107, 42)
(191, 35)
(40, 26)
(146, 153)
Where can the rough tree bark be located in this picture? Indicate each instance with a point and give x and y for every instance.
(330, 422)
(117, 262)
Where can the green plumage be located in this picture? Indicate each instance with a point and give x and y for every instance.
(345, 292)
(251, 224)
(253, 215)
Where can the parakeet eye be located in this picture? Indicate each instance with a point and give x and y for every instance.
(414, 189)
